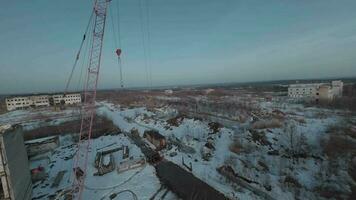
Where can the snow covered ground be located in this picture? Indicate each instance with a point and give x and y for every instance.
(33, 118)
(142, 181)
(263, 155)
(268, 172)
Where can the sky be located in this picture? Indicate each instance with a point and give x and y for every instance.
(186, 42)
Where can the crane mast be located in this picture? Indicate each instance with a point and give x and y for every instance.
(88, 107)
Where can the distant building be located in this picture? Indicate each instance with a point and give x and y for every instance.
(68, 98)
(316, 91)
(337, 88)
(168, 91)
(23, 102)
(14, 169)
(303, 90)
(208, 91)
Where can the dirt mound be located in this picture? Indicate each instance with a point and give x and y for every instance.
(176, 121)
(215, 127)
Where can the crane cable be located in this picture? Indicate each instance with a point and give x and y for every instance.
(117, 40)
(78, 54)
(85, 60)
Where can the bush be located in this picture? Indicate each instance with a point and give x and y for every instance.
(292, 182)
(338, 145)
(236, 147)
(260, 137)
(263, 124)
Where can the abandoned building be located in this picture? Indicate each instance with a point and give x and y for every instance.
(154, 137)
(13, 103)
(14, 171)
(316, 91)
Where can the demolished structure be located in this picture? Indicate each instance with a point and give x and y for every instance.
(158, 140)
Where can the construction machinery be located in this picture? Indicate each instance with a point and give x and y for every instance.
(90, 87)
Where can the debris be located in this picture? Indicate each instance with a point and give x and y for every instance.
(78, 173)
(176, 121)
(190, 167)
(125, 152)
(58, 178)
(130, 164)
(158, 140)
(172, 154)
(181, 146)
(105, 163)
(38, 174)
(215, 127)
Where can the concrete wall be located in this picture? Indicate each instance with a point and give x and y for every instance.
(325, 93)
(41, 146)
(17, 172)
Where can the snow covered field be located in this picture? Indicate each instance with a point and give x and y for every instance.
(267, 162)
(278, 151)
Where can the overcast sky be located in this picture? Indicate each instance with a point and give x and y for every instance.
(191, 42)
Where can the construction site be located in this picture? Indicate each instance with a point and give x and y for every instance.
(217, 147)
(264, 140)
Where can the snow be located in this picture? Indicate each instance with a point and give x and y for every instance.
(34, 118)
(194, 133)
(98, 187)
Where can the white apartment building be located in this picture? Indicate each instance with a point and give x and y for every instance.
(316, 91)
(25, 102)
(68, 98)
(303, 90)
(41, 100)
(14, 103)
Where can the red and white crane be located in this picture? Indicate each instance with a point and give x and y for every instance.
(88, 107)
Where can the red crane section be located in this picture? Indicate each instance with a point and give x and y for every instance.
(88, 108)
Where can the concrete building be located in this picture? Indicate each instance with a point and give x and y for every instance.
(316, 91)
(17, 102)
(303, 90)
(15, 175)
(68, 98)
(14, 103)
(25, 102)
(337, 88)
(41, 100)
(168, 92)
(325, 93)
